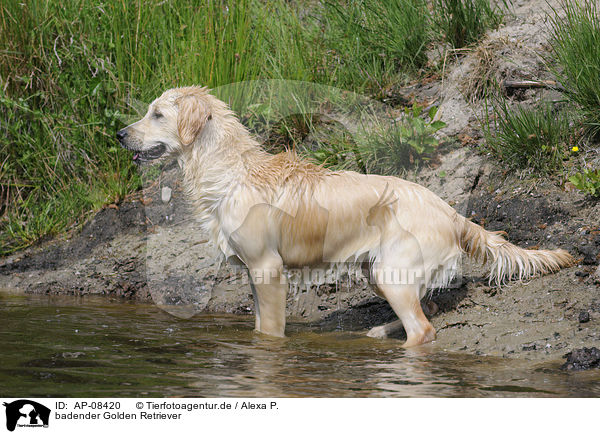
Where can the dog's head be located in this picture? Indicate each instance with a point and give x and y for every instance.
(171, 126)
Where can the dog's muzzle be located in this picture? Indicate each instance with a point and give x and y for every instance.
(139, 156)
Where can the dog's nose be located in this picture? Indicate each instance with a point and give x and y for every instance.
(121, 135)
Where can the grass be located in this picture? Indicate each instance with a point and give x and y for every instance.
(369, 42)
(72, 72)
(294, 48)
(51, 172)
(463, 22)
(530, 138)
(576, 57)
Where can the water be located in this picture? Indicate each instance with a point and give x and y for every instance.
(70, 347)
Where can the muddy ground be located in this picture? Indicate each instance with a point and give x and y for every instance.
(151, 250)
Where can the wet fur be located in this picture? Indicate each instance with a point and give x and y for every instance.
(277, 211)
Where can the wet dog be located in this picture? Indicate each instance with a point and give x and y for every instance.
(275, 212)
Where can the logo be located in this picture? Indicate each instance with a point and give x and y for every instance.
(26, 413)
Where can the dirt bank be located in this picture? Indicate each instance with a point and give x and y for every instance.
(151, 250)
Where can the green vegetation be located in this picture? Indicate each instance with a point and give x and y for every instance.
(409, 140)
(576, 57)
(385, 148)
(463, 22)
(528, 137)
(71, 73)
(371, 41)
(587, 181)
(537, 138)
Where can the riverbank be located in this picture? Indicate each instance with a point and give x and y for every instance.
(149, 249)
(153, 252)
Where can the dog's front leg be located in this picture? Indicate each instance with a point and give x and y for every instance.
(269, 288)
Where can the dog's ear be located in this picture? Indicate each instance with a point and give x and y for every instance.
(193, 114)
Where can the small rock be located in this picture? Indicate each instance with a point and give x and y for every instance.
(582, 359)
(491, 291)
(589, 255)
(165, 194)
(597, 274)
(584, 316)
(582, 274)
(73, 355)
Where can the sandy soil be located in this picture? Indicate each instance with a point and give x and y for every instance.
(151, 250)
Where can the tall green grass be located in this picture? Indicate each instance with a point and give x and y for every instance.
(528, 138)
(463, 22)
(576, 56)
(294, 47)
(372, 45)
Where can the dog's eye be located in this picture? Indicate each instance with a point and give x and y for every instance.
(157, 115)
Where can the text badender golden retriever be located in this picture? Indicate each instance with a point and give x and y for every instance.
(276, 212)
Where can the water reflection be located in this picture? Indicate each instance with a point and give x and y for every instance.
(94, 347)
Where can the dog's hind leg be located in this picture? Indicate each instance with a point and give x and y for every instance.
(398, 277)
(404, 300)
(398, 270)
(403, 293)
(269, 288)
(383, 331)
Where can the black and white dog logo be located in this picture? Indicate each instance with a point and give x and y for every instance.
(26, 413)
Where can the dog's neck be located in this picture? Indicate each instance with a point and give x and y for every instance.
(215, 166)
(226, 160)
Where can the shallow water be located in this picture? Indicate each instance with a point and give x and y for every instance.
(70, 347)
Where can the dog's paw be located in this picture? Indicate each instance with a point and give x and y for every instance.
(377, 332)
(427, 335)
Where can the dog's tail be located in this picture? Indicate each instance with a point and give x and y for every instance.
(509, 261)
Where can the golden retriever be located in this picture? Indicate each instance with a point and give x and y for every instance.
(276, 212)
